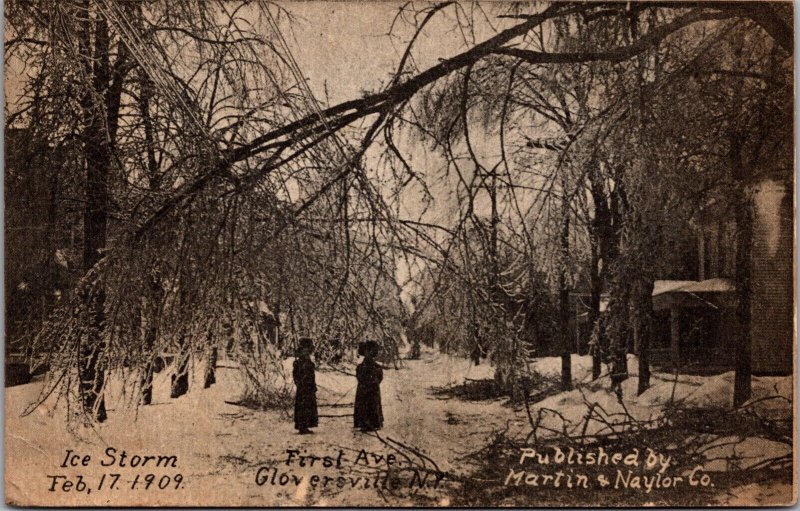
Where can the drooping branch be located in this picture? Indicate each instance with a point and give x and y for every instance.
(618, 54)
(761, 13)
(337, 117)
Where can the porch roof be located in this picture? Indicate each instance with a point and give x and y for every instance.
(714, 293)
(717, 285)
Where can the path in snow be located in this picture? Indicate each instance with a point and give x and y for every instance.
(222, 446)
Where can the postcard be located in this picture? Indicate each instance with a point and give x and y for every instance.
(399, 254)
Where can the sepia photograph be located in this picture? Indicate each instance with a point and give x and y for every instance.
(399, 253)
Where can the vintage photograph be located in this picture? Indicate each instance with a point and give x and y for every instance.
(399, 254)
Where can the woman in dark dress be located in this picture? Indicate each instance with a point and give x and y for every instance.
(368, 414)
(305, 399)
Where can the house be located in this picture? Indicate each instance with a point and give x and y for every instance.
(696, 324)
(773, 279)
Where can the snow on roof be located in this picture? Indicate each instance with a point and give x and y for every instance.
(693, 286)
(667, 286)
(711, 286)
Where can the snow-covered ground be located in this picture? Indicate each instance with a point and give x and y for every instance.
(223, 449)
(771, 399)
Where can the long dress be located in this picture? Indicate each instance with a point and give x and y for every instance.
(305, 399)
(368, 413)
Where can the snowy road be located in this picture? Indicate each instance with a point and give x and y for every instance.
(221, 446)
(228, 454)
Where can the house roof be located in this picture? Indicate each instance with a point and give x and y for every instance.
(711, 286)
(667, 286)
(681, 291)
(693, 286)
(714, 293)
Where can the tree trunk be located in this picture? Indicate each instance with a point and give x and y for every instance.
(744, 236)
(179, 384)
(600, 238)
(619, 333)
(594, 312)
(416, 349)
(563, 299)
(95, 217)
(156, 302)
(146, 384)
(90, 353)
(100, 106)
(644, 311)
(180, 378)
(156, 297)
(619, 304)
(211, 364)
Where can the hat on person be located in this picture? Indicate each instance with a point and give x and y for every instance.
(305, 344)
(371, 347)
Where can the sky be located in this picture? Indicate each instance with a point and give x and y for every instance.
(344, 50)
(346, 44)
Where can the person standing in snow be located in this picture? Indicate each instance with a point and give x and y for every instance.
(476, 354)
(305, 399)
(477, 350)
(368, 413)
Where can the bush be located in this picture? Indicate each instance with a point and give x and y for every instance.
(265, 383)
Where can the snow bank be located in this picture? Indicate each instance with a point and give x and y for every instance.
(221, 445)
(596, 402)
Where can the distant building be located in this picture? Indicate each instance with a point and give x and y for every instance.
(773, 279)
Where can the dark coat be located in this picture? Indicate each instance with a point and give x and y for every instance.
(368, 413)
(475, 355)
(305, 400)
